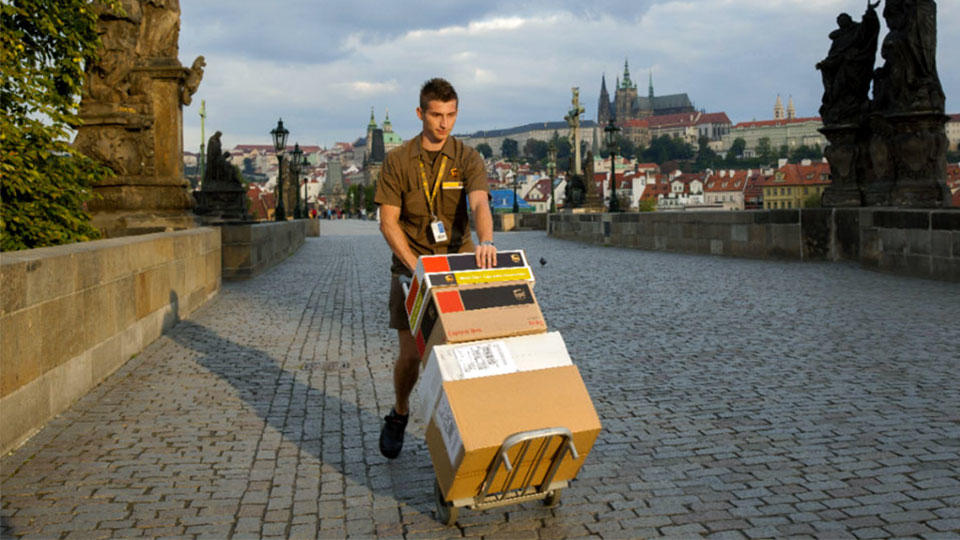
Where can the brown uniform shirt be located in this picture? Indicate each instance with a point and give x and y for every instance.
(400, 184)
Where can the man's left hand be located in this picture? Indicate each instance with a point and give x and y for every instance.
(486, 256)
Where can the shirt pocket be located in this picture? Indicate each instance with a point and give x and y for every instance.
(415, 203)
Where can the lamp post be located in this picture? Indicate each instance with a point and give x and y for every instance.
(295, 156)
(306, 205)
(610, 131)
(279, 135)
(516, 203)
(551, 172)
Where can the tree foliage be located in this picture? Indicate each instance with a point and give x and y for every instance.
(44, 184)
(485, 150)
(509, 148)
(666, 148)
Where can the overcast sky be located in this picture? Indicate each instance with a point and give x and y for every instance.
(321, 65)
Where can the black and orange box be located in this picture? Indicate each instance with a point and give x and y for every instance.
(459, 269)
(472, 312)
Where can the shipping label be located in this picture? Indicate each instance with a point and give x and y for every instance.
(484, 360)
(448, 429)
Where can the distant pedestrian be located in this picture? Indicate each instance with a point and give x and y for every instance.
(425, 188)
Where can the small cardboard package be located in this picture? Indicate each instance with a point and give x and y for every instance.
(474, 416)
(459, 269)
(458, 361)
(474, 312)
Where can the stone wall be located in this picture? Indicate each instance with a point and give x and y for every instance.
(519, 222)
(922, 243)
(71, 315)
(251, 248)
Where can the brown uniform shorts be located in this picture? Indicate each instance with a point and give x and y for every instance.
(398, 313)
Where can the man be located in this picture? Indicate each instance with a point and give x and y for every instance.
(424, 190)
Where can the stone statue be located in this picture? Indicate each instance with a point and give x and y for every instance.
(848, 67)
(908, 79)
(132, 119)
(573, 120)
(192, 82)
(221, 196)
(892, 153)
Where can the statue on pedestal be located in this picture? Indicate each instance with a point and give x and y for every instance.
(890, 151)
(222, 196)
(132, 119)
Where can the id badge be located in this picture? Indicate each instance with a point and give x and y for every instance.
(438, 232)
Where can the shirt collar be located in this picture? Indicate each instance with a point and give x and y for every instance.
(416, 149)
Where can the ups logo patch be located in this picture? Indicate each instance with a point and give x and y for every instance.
(520, 294)
(515, 257)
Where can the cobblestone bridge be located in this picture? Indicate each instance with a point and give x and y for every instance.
(739, 399)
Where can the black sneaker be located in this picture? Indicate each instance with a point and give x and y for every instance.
(391, 436)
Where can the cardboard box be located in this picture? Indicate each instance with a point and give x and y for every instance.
(474, 416)
(459, 269)
(474, 312)
(459, 361)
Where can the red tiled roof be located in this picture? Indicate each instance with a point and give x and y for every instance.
(772, 123)
(792, 174)
(713, 118)
(954, 117)
(735, 182)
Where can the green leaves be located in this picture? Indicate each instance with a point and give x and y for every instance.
(44, 184)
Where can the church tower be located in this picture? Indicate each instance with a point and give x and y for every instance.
(371, 127)
(778, 113)
(626, 95)
(603, 104)
(791, 110)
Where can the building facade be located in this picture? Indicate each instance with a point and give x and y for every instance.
(793, 184)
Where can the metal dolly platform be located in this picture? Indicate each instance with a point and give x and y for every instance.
(514, 488)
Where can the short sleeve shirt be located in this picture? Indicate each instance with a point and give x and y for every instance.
(401, 185)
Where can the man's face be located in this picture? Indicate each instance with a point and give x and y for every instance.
(438, 119)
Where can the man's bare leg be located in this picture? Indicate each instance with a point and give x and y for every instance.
(405, 371)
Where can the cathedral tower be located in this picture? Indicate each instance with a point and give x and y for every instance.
(603, 104)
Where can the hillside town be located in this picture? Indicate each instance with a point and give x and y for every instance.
(668, 156)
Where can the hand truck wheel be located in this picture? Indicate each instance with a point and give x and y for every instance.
(553, 498)
(446, 512)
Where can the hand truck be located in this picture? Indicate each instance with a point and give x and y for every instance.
(516, 488)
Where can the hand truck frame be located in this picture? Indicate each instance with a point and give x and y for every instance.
(515, 488)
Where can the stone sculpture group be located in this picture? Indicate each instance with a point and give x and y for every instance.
(889, 150)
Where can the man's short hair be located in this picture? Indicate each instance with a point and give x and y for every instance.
(436, 89)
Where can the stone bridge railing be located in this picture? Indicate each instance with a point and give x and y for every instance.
(922, 243)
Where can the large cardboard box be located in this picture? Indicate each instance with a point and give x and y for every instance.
(459, 269)
(459, 361)
(474, 416)
(474, 312)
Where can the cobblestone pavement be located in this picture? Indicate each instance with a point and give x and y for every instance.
(740, 399)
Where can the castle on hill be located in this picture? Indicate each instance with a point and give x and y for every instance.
(628, 105)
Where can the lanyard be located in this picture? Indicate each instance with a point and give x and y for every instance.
(432, 195)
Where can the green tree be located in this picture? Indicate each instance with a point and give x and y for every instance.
(485, 150)
(665, 148)
(706, 157)
(536, 149)
(509, 148)
(764, 151)
(44, 184)
(736, 149)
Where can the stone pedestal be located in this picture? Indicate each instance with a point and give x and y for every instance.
(844, 155)
(223, 205)
(918, 146)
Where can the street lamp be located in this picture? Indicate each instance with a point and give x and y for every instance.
(551, 172)
(610, 131)
(306, 206)
(516, 203)
(295, 156)
(279, 134)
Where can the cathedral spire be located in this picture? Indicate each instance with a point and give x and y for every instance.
(603, 104)
(626, 75)
(373, 121)
(791, 110)
(778, 113)
(387, 126)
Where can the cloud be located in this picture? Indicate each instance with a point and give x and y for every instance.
(323, 65)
